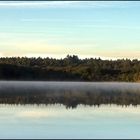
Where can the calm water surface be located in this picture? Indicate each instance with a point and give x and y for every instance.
(55, 121)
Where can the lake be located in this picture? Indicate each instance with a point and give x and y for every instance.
(69, 94)
(55, 121)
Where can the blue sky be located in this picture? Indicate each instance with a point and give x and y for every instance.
(109, 30)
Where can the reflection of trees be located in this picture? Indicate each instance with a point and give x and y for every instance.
(71, 99)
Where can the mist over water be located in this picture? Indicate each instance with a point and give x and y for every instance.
(69, 93)
(48, 118)
(62, 87)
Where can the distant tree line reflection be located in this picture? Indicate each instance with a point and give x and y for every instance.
(69, 98)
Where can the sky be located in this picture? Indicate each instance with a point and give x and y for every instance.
(105, 29)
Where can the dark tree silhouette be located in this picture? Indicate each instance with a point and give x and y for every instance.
(70, 68)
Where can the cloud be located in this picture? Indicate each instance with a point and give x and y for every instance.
(36, 4)
(95, 4)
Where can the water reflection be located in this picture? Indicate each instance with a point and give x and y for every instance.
(55, 121)
(70, 94)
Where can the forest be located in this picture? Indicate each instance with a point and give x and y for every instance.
(70, 68)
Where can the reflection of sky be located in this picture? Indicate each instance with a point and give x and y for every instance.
(106, 29)
(55, 121)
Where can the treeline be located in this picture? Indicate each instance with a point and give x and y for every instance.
(70, 68)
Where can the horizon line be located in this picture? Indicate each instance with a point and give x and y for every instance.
(79, 57)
